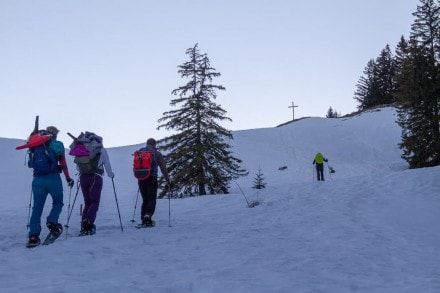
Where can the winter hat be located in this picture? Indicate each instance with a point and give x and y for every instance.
(151, 142)
(52, 130)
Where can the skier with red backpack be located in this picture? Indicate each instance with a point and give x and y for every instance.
(147, 161)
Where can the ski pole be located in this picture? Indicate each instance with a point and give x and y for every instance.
(169, 205)
(329, 171)
(249, 205)
(117, 205)
(29, 211)
(68, 206)
(69, 212)
(135, 205)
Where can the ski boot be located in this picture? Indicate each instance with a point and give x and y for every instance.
(87, 228)
(33, 241)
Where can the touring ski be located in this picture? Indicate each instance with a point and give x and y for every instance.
(53, 235)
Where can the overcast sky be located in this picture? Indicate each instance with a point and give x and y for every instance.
(88, 65)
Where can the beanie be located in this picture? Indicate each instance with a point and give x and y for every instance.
(52, 130)
(151, 142)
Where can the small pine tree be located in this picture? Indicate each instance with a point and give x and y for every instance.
(259, 181)
(332, 113)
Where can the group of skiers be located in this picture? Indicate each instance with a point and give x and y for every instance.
(47, 180)
(48, 161)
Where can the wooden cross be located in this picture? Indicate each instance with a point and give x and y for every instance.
(293, 110)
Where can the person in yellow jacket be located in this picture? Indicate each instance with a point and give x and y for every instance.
(319, 162)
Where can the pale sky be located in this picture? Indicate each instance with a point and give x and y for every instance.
(109, 66)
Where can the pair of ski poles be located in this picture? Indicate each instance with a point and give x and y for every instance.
(70, 210)
(169, 206)
(330, 171)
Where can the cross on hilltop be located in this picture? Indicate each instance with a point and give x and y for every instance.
(293, 110)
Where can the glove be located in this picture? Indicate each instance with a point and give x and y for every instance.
(111, 175)
(70, 182)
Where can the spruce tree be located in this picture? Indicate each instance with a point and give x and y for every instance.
(426, 27)
(376, 87)
(367, 87)
(385, 75)
(259, 181)
(332, 113)
(198, 154)
(418, 88)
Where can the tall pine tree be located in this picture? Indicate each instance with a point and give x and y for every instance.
(418, 88)
(385, 76)
(198, 154)
(376, 86)
(367, 87)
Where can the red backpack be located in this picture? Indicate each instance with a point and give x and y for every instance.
(143, 161)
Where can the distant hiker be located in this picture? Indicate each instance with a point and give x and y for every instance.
(147, 182)
(319, 161)
(91, 158)
(44, 160)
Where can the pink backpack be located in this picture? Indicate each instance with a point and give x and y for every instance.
(79, 150)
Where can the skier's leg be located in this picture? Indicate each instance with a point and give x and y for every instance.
(151, 195)
(95, 198)
(39, 195)
(55, 188)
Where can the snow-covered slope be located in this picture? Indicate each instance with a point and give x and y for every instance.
(371, 227)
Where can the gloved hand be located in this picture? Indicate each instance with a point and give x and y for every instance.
(111, 175)
(70, 182)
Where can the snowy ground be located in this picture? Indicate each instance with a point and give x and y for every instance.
(371, 227)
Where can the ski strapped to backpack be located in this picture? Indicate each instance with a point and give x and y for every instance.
(36, 138)
(143, 161)
(41, 157)
(86, 148)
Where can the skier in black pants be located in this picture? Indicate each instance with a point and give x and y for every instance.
(319, 161)
(148, 187)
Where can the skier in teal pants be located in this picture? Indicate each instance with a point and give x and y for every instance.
(41, 187)
(47, 180)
